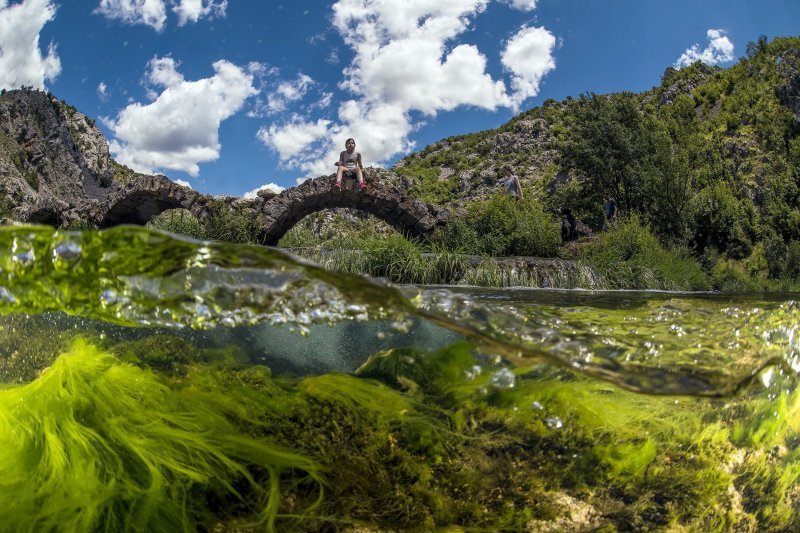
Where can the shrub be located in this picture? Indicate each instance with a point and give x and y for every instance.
(722, 221)
(6, 207)
(458, 236)
(774, 253)
(505, 226)
(793, 260)
(630, 257)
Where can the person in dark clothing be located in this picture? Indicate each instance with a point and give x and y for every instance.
(569, 228)
(610, 210)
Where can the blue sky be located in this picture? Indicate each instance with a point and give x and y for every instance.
(228, 96)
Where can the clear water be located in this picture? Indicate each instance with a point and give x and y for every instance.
(577, 410)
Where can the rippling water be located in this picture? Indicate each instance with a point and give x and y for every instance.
(160, 383)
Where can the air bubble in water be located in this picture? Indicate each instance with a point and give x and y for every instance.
(68, 251)
(23, 259)
(6, 296)
(553, 422)
(401, 326)
(503, 379)
(473, 372)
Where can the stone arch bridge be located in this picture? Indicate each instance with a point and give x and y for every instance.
(144, 197)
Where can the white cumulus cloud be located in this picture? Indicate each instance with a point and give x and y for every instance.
(150, 12)
(719, 50)
(529, 56)
(252, 194)
(294, 138)
(288, 91)
(21, 60)
(408, 61)
(153, 13)
(522, 5)
(180, 128)
(194, 10)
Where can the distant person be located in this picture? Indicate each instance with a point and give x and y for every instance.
(349, 163)
(569, 226)
(610, 209)
(512, 185)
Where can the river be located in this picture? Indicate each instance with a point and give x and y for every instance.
(159, 383)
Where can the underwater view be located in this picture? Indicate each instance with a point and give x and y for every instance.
(156, 383)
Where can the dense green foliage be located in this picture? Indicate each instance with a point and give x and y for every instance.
(628, 256)
(503, 226)
(179, 221)
(709, 160)
(222, 224)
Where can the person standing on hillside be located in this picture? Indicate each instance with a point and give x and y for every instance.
(512, 186)
(349, 162)
(610, 209)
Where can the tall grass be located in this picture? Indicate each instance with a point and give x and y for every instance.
(628, 256)
(394, 258)
(503, 226)
(178, 221)
(225, 223)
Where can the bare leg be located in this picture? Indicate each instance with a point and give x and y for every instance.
(360, 175)
(339, 172)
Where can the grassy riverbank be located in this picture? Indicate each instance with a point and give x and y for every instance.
(493, 243)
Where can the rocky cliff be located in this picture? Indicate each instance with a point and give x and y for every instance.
(49, 150)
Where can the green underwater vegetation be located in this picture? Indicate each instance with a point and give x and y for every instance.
(97, 444)
(414, 441)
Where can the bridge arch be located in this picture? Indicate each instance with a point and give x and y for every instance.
(49, 211)
(407, 215)
(49, 216)
(145, 198)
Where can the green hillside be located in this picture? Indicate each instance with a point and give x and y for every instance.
(709, 159)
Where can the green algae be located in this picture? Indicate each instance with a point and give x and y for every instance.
(173, 355)
(416, 441)
(96, 444)
(641, 462)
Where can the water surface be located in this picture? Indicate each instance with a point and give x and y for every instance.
(324, 401)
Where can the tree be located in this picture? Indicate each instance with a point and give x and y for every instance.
(613, 145)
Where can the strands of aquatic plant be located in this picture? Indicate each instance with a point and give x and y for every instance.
(98, 444)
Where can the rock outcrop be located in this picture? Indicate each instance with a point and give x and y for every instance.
(48, 150)
(788, 89)
(676, 83)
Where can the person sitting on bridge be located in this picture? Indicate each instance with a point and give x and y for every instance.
(349, 162)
